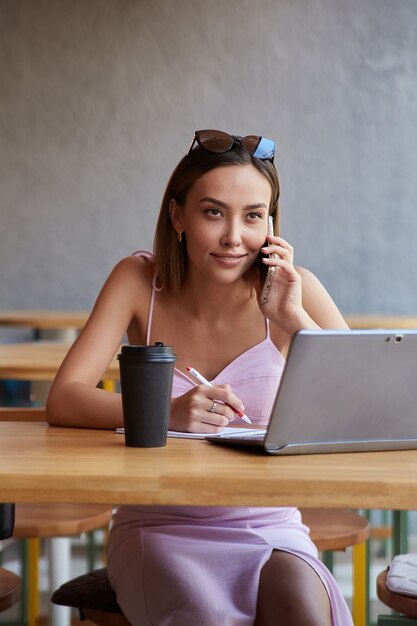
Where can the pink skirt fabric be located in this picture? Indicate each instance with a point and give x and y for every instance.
(182, 566)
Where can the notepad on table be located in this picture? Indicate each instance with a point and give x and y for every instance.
(227, 430)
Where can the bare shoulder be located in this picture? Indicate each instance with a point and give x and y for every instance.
(124, 294)
(318, 303)
(132, 273)
(311, 284)
(137, 267)
(310, 280)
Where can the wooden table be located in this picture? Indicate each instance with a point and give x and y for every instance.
(39, 361)
(47, 324)
(381, 321)
(43, 318)
(49, 464)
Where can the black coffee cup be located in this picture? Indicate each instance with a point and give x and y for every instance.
(146, 374)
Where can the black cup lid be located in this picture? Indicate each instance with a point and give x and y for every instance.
(157, 352)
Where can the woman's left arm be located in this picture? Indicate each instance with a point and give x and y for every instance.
(318, 304)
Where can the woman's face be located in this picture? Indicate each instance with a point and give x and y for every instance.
(224, 220)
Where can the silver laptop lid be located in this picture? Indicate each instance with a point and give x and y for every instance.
(345, 391)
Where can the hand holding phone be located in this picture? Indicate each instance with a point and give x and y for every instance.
(271, 270)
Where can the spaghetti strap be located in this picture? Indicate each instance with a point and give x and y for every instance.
(268, 333)
(148, 255)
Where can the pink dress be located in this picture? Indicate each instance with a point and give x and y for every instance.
(189, 566)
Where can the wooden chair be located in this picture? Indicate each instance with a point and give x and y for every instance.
(406, 605)
(56, 522)
(335, 529)
(94, 598)
(92, 595)
(339, 529)
(9, 589)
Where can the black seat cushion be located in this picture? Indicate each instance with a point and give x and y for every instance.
(89, 591)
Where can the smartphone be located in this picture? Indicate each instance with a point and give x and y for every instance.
(271, 270)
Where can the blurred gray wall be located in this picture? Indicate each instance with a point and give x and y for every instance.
(99, 100)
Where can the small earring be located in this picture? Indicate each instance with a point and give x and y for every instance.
(179, 236)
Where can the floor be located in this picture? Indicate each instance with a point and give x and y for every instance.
(342, 571)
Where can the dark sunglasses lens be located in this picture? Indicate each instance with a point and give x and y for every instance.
(214, 140)
(251, 143)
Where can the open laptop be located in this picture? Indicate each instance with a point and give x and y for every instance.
(342, 391)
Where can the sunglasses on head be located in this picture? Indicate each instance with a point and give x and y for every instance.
(218, 141)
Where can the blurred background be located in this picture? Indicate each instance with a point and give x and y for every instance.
(99, 100)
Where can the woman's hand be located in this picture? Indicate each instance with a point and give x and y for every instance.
(202, 409)
(284, 306)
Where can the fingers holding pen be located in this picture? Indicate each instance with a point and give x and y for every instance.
(218, 412)
(224, 401)
(201, 410)
(231, 401)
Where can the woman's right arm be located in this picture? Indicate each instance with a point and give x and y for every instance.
(74, 399)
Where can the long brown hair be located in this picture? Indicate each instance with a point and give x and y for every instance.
(171, 257)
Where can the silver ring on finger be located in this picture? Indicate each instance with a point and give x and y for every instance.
(213, 407)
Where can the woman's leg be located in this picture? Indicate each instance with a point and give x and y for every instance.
(291, 593)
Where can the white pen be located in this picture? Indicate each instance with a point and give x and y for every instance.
(204, 381)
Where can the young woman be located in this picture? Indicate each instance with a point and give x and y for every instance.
(200, 293)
